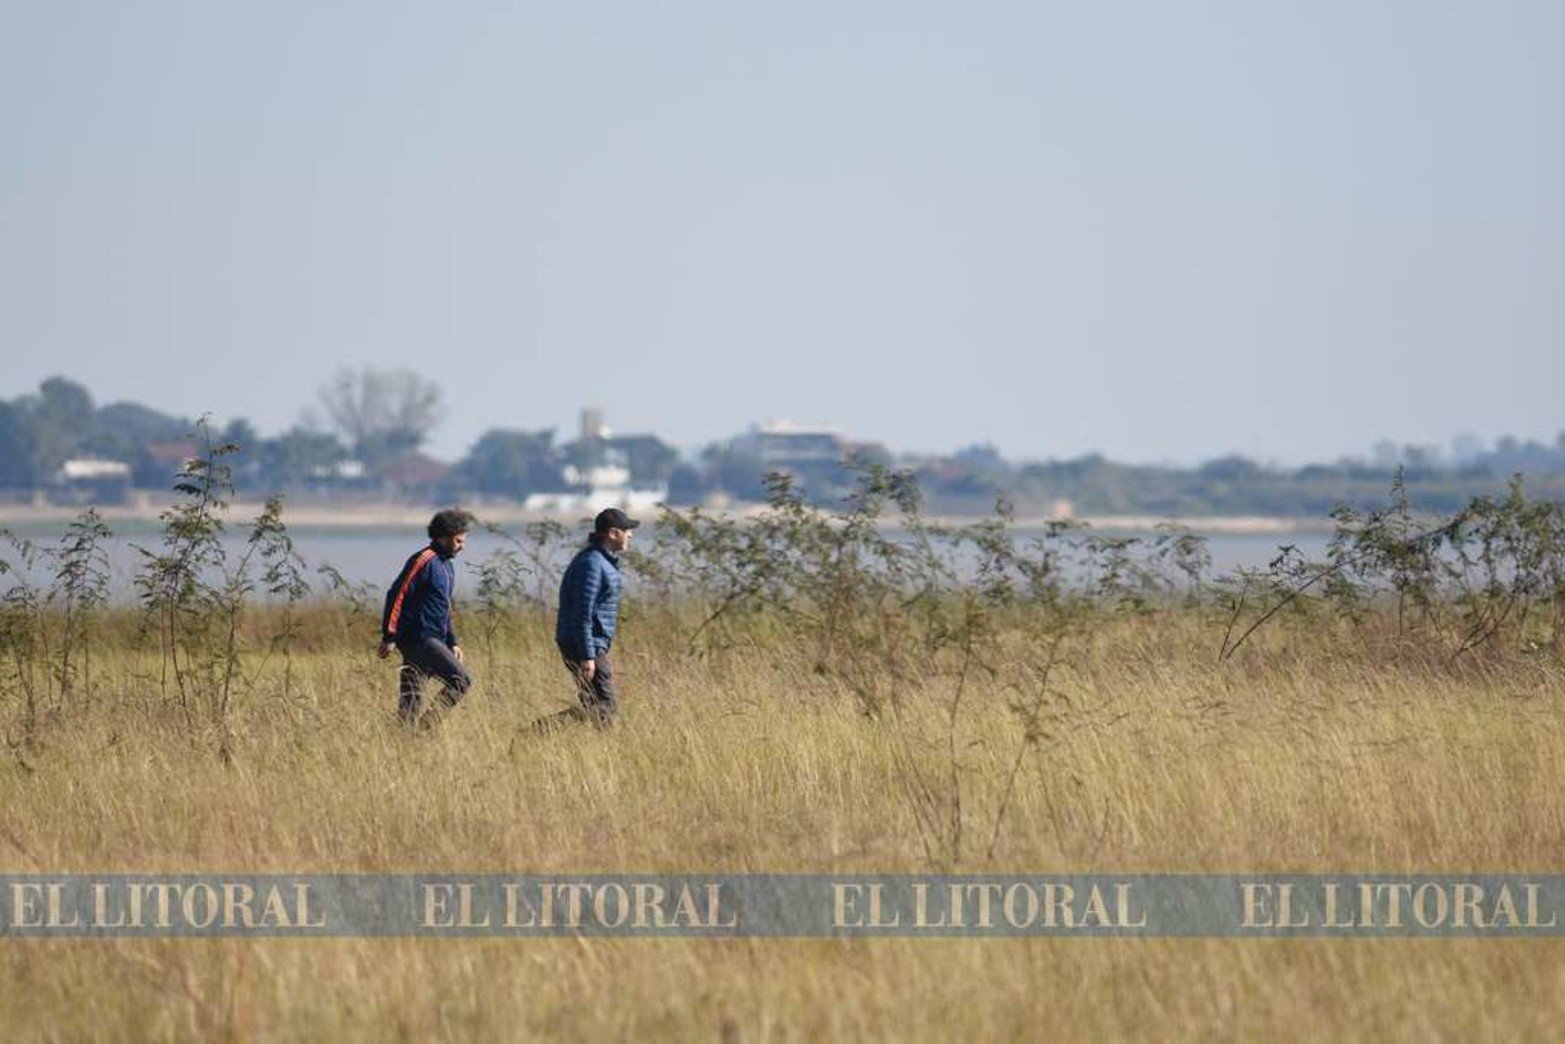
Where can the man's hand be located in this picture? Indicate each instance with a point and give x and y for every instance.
(456, 650)
(587, 669)
(384, 650)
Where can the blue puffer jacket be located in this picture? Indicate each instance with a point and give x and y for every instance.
(589, 603)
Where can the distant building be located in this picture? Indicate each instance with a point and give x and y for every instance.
(592, 426)
(340, 471)
(89, 481)
(608, 470)
(415, 473)
(784, 444)
(595, 500)
(608, 475)
(820, 461)
(171, 455)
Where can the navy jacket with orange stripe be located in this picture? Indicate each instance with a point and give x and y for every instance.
(418, 605)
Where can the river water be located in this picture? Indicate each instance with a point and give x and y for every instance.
(373, 555)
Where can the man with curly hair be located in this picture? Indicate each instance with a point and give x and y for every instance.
(416, 620)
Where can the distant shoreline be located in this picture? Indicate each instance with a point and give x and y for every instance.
(402, 517)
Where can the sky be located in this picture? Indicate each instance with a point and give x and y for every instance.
(1163, 232)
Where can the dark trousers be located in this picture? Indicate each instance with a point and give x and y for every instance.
(596, 697)
(424, 659)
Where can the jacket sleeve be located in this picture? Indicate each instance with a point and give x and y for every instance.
(451, 642)
(577, 605)
(391, 598)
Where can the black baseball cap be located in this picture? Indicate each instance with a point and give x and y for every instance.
(613, 518)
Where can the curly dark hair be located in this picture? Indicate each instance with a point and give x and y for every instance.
(449, 523)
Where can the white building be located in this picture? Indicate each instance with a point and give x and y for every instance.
(88, 480)
(88, 470)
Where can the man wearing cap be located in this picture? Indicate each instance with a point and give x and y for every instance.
(589, 605)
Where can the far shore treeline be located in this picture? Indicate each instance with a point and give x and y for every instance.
(361, 443)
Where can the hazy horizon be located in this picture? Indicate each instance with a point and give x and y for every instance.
(1449, 448)
(1160, 234)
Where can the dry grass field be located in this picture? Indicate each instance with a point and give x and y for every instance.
(1315, 749)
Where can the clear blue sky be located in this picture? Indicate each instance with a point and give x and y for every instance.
(1165, 231)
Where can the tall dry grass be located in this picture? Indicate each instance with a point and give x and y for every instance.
(1315, 748)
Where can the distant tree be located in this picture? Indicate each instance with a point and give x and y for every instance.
(867, 454)
(241, 433)
(737, 474)
(1063, 473)
(64, 422)
(687, 485)
(958, 479)
(126, 429)
(1466, 448)
(650, 459)
(67, 401)
(382, 414)
(982, 456)
(18, 448)
(1420, 461)
(245, 461)
(1384, 455)
(132, 424)
(296, 456)
(974, 471)
(1232, 468)
(510, 463)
